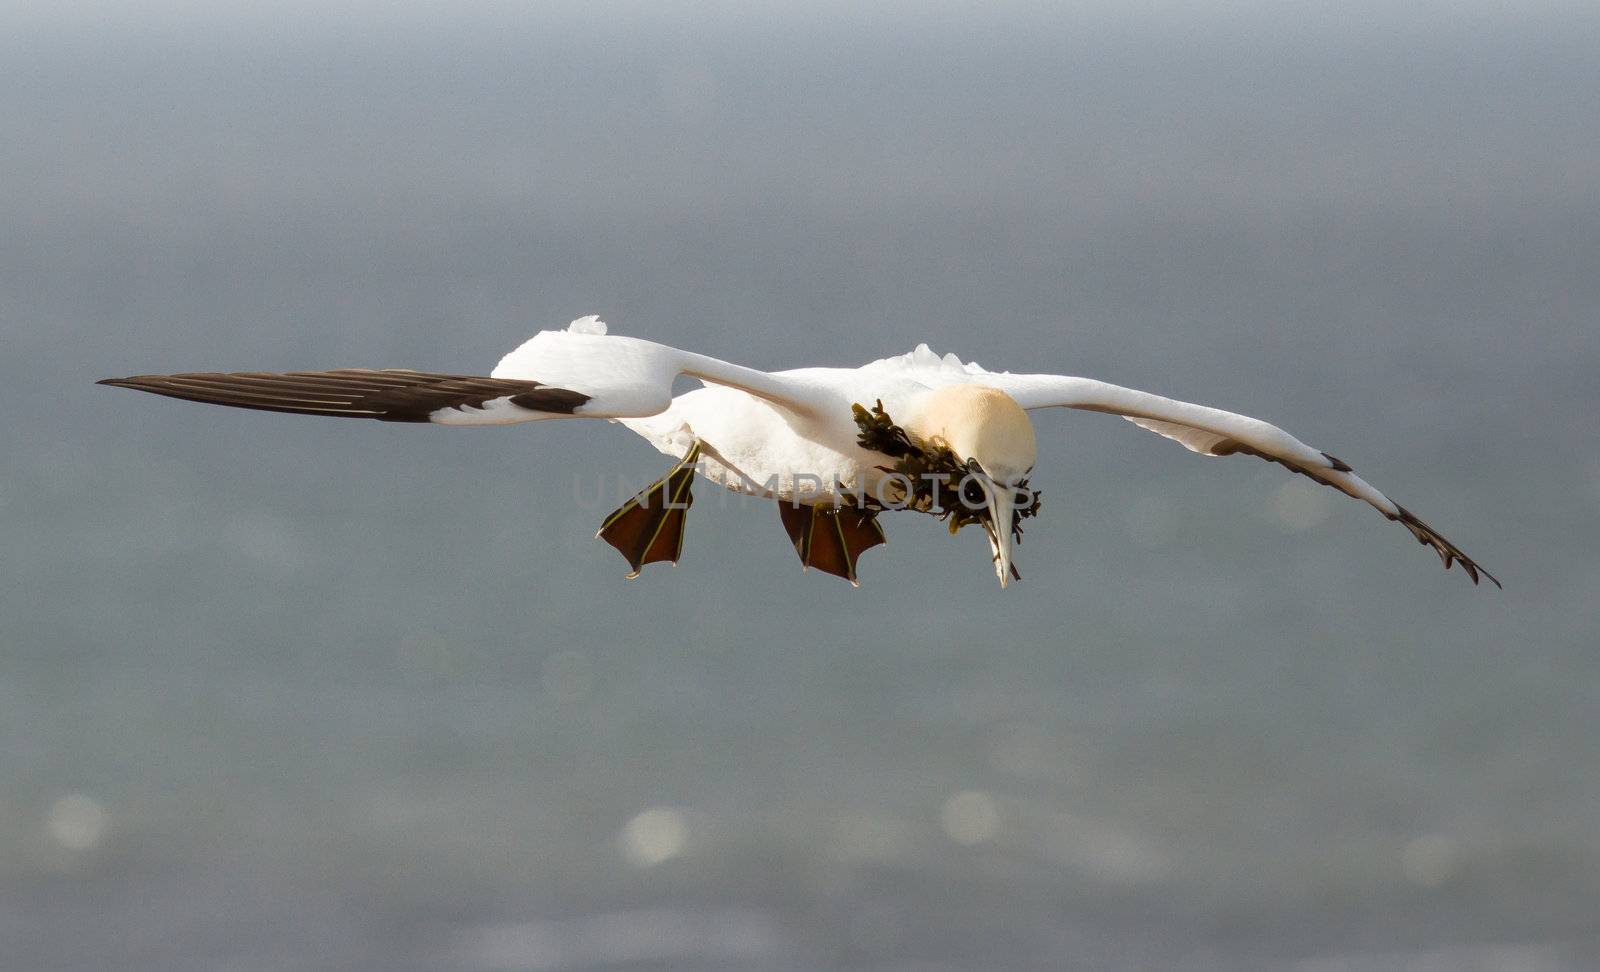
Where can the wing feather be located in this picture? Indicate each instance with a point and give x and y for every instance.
(1214, 432)
(581, 372)
(630, 378)
(388, 395)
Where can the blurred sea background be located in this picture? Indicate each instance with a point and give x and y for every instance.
(279, 693)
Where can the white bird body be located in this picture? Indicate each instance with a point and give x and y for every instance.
(795, 436)
(761, 449)
(750, 440)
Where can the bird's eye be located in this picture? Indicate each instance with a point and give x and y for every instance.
(973, 495)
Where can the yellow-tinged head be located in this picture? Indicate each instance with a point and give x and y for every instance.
(988, 429)
(979, 423)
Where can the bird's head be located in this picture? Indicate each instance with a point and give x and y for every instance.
(988, 431)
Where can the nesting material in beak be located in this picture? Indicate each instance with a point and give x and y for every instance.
(957, 490)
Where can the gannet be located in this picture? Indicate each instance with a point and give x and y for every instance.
(836, 447)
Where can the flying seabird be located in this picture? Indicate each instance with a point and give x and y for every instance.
(836, 447)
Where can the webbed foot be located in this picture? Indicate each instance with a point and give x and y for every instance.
(649, 527)
(831, 538)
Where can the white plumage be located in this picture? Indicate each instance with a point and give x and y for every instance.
(786, 433)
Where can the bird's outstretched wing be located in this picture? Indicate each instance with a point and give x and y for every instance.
(389, 395)
(581, 372)
(1213, 432)
(629, 378)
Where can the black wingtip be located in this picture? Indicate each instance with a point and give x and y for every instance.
(1475, 572)
(136, 382)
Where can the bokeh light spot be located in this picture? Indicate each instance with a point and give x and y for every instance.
(77, 822)
(654, 836)
(970, 817)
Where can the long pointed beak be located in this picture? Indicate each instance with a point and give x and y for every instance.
(1001, 503)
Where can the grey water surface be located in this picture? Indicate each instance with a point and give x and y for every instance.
(290, 693)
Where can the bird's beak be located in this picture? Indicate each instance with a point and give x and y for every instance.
(1001, 504)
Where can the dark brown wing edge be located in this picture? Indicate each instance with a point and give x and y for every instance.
(1448, 552)
(388, 395)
